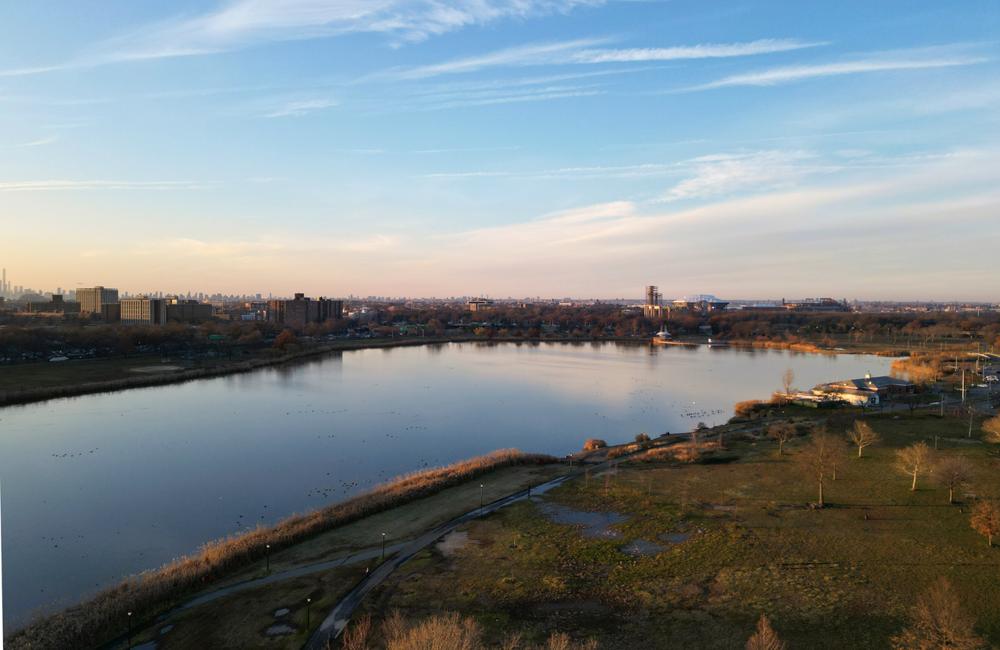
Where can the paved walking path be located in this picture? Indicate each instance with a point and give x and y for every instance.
(337, 619)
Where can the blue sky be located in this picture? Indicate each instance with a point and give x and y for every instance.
(503, 147)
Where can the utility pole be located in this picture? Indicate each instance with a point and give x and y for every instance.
(963, 385)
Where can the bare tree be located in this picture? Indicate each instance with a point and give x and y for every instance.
(953, 472)
(817, 459)
(765, 638)
(862, 435)
(937, 621)
(913, 460)
(787, 379)
(782, 432)
(991, 428)
(986, 520)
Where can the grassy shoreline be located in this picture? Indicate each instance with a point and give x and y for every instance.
(99, 618)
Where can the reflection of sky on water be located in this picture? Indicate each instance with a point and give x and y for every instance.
(101, 486)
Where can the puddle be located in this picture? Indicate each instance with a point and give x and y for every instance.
(278, 613)
(148, 645)
(281, 629)
(594, 524)
(453, 542)
(674, 538)
(166, 628)
(640, 548)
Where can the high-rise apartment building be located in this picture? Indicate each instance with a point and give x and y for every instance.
(92, 299)
(296, 313)
(143, 311)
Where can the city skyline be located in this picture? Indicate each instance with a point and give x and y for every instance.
(504, 148)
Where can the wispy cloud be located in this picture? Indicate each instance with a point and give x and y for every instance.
(245, 23)
(706, 51)
(729, 173)
(584, 51)
(521, 55)
(302, 107)
(64, 185)
(40, 142)
(878, 62)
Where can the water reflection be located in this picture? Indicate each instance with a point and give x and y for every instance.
(174, 466)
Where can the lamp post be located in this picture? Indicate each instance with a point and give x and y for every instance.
(129, 629)
(481, 495)
(308, 603)
(267, 558)
(383, 547)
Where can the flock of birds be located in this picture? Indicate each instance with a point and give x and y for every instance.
(74, 454)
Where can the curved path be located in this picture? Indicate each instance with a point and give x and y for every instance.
(337, 619)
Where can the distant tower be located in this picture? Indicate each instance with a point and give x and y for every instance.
(652, 308)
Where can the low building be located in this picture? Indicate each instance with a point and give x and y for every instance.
(143, 311)
(55, 306)
(701, 303)
(868, 391)
(479, 304)
(816, 304)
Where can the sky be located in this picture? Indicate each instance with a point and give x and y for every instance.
(503, 147)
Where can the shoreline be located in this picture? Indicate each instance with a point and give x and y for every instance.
(35, 395)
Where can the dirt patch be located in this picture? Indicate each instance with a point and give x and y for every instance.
(453, 542)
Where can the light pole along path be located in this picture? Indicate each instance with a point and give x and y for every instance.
(340, 615)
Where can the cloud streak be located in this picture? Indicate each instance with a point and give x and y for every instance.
(583, 51)
(241, 24)
(302, 107)
(70, 185)
(884, 62)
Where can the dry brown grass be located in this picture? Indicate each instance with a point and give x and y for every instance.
(102, 617)
(443, 632)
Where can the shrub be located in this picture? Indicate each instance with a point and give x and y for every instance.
(594, 443)
(642, 438)
(746, 409)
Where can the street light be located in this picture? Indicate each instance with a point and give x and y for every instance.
(130, 629)
(383, 547)
(268, 558)
(308, 602)
(481, 497)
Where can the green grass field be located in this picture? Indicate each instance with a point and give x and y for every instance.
(844, 576)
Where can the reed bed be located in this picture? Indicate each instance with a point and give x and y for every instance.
(104, 616)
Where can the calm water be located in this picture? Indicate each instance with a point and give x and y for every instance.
(102, 486)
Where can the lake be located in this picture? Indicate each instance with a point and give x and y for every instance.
(98, 487)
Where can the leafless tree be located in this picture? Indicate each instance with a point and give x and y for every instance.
(938, 622)
(782, 432)
(862, 435)
(913, 460)
(953, 472)
(787, 379)
(765, 638)
(817, 459)
(986, 520)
